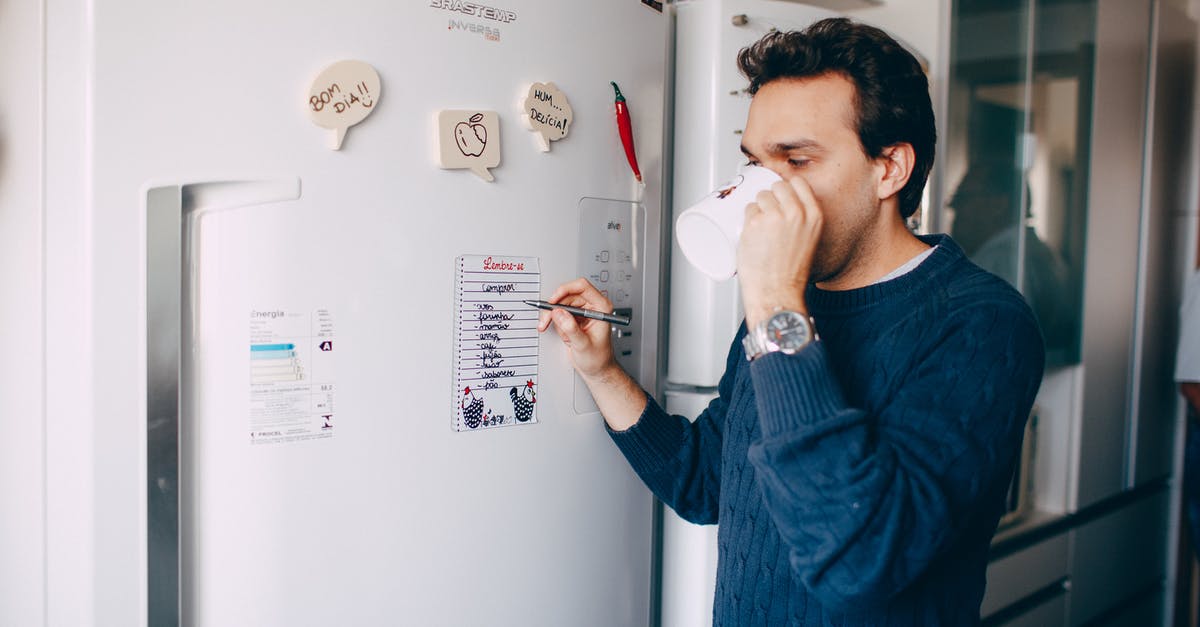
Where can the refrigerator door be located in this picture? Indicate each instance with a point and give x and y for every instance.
(689, 566)
(711, 105)
(364, 506)
(710, 112)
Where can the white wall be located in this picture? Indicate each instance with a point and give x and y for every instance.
(22, 415)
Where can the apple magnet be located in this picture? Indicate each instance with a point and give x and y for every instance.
(547, 113)
(469, 139)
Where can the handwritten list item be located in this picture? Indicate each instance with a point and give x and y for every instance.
(496, 341)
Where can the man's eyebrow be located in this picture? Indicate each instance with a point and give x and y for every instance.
(778, 148)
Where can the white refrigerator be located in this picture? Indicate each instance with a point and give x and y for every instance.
(287, 244)
(321, 353)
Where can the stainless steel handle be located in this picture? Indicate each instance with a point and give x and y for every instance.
(171, 212)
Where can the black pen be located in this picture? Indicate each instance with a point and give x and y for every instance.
(579, 311)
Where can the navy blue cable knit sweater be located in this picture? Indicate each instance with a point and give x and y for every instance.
(859, 481)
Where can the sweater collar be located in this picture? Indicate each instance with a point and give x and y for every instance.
(946, 253)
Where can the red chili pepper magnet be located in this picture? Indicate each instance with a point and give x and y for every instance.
(625, 127)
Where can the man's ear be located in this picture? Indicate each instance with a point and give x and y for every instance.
(895, 167)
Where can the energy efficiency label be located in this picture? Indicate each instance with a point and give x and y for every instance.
(291, 375)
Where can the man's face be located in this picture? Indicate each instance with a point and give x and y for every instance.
(805, 127)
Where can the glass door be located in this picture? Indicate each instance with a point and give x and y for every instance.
(1016, 163)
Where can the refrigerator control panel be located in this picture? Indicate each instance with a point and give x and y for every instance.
(611, 238)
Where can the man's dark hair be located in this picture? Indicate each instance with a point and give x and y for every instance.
(891, 97)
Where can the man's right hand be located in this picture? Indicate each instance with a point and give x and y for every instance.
(589, 345)
(775, 251)
(588, 341)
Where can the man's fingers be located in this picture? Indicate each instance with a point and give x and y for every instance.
(766, 201)
(568, 329)
(804, 193)
(580, 293)
(570, 287)
(789, 201)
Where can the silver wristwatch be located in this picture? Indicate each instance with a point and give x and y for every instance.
(785, 331)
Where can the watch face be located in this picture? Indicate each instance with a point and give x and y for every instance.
(789, 331)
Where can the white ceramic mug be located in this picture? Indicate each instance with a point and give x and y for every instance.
(708, 231)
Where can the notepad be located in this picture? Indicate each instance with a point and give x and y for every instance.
(495, 341)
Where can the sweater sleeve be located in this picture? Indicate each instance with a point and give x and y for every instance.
(867, 502)
(680, 460)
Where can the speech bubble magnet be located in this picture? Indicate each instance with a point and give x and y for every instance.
(343, 95)
(547, 113)
(469, 139)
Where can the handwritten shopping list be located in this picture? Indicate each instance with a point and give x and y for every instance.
(495, 341)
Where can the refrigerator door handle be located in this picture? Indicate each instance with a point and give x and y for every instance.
(170, 212)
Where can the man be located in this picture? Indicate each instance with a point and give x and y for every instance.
(856, 460)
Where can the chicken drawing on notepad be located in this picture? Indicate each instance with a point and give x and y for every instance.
(523, 402)
(472, 411)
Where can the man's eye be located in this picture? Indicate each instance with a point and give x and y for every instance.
(751, 162)
(798, 163)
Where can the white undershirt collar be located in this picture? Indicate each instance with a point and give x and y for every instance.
(908, 266)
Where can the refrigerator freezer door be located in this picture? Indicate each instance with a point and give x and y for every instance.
(689, 570)
(710, 112)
